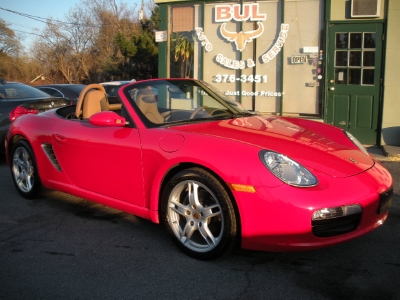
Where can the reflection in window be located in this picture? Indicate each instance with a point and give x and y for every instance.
(182, 55)
(341, 40)
(182, 41)
(370, 40)
(369, 59)
(341, 59)
(368, 76)
(360, 63)
(354, 76)
(355, 58)
(355, 40)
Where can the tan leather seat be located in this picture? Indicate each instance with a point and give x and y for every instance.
(147, 103)
(93, 99)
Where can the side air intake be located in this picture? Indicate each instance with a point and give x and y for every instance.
(365, 8)
(48, 149)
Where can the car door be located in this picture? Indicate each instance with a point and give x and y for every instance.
(103, 160)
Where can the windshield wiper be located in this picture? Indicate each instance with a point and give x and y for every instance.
(198, 120)
(244, 114)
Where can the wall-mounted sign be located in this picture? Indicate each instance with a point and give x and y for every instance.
(225, 14)
(310, 49)
(161, 36)
(298, 59)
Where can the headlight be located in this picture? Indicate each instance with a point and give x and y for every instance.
(356, 142)
(287, 170)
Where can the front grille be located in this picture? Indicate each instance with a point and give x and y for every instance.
(336, 226)
(48, 149)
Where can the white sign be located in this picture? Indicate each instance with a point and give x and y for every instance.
(310, 49)
(161, 36)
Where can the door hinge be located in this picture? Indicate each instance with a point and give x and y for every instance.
(383, 37)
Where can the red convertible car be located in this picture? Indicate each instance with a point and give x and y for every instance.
(179, 152)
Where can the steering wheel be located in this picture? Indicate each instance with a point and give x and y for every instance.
(197, 110)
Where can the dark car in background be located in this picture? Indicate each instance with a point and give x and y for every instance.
(67, 91)
(18, 99)
(112, 88)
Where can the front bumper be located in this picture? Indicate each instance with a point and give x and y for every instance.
(280, 218)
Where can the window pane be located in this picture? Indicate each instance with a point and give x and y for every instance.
(355, 40)
(297, 82)
(369, 59)
(340, 76)
(355, 58)
(341, 59)
(181, 58)
(368, 76)
(370, 40)
(341, 40)
(354, 76)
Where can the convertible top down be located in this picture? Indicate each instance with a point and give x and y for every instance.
(179, 152)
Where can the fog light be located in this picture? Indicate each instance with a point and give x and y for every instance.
(336, 212)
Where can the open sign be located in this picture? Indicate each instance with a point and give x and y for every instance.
(299, 59)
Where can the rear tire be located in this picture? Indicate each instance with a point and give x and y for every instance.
(198, 214)
(24, 170)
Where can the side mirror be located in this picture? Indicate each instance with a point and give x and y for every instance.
(107, 119)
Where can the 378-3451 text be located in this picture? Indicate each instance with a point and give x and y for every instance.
(243, 78)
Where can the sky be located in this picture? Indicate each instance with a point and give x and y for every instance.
(24, 26)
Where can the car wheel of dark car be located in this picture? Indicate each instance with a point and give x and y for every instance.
(24, 170)
(198, 214)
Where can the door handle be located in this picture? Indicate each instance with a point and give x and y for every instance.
(331, 88)
(60, 139)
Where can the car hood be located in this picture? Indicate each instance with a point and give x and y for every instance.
(312, 148)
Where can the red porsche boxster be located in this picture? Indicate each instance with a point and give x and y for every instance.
(181, 153)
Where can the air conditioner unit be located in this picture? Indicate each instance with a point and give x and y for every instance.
(365, 8)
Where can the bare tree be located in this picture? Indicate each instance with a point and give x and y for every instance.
(85, 46)
(9, 43)
(114, 19)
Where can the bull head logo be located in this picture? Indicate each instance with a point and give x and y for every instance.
(241, 38)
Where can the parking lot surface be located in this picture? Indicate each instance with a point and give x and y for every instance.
(63, 247)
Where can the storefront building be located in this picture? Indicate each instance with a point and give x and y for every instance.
(331, 60)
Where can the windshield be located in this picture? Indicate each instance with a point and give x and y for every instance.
(176, 101)
(17, 91)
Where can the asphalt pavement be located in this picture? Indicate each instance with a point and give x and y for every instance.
(64, 247)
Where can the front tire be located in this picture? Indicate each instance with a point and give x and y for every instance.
(198, 213)
(24, 170)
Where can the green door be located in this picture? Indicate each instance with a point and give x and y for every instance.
(353, 83)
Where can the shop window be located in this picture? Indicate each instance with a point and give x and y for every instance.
(184, 54)
(302, 82)
(268, 59)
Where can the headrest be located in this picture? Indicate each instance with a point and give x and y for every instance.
(149, 99)
(146, 91)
